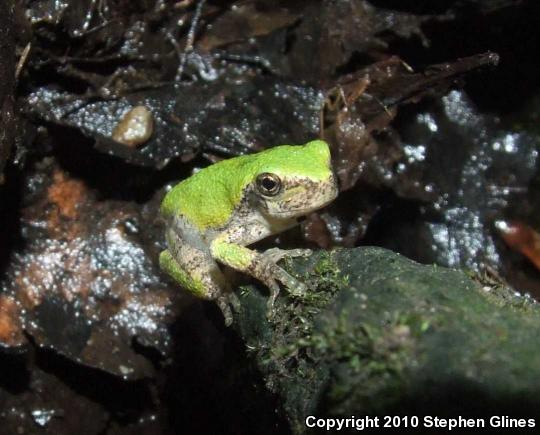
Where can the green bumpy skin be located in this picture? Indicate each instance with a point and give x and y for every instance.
(222, 183)
(215, 213)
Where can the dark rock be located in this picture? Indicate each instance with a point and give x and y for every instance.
(381, 335)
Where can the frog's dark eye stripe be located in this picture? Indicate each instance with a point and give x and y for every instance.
(268, 184)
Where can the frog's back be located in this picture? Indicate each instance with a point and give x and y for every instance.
(208, 198)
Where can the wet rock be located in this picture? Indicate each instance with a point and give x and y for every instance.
(475, 168)
(368, 155)
(378, 334)
(85, 284)
(210, 117)
(367, 101)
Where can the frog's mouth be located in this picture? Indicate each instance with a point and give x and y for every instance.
(301, 200)
(292, 192)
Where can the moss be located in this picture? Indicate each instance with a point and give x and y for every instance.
(294, 321)
(324, 280)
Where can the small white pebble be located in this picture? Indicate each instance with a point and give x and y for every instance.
(135, 127)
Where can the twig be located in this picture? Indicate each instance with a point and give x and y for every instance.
(190, 39)
(22, 60)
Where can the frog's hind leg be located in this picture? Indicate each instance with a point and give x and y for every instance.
(197, 272)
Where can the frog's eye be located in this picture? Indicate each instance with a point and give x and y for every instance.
(268, 184)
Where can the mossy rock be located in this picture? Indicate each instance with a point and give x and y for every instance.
(379, 334)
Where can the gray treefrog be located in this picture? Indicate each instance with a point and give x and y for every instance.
(212, 215)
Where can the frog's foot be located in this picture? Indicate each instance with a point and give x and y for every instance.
(294, 287)
(270, 273)
(225, 302)
(271, 257)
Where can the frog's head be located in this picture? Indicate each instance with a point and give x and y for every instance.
(292, 181)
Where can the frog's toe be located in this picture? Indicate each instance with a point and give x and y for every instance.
(225, 307)
(298, 253)
(294, 286)
(234, 302)
(276, 254)
(270, 305)
(274, 292)
(270, 313)
(227, 301)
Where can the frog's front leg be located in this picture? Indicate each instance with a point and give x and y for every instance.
(261, 266)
